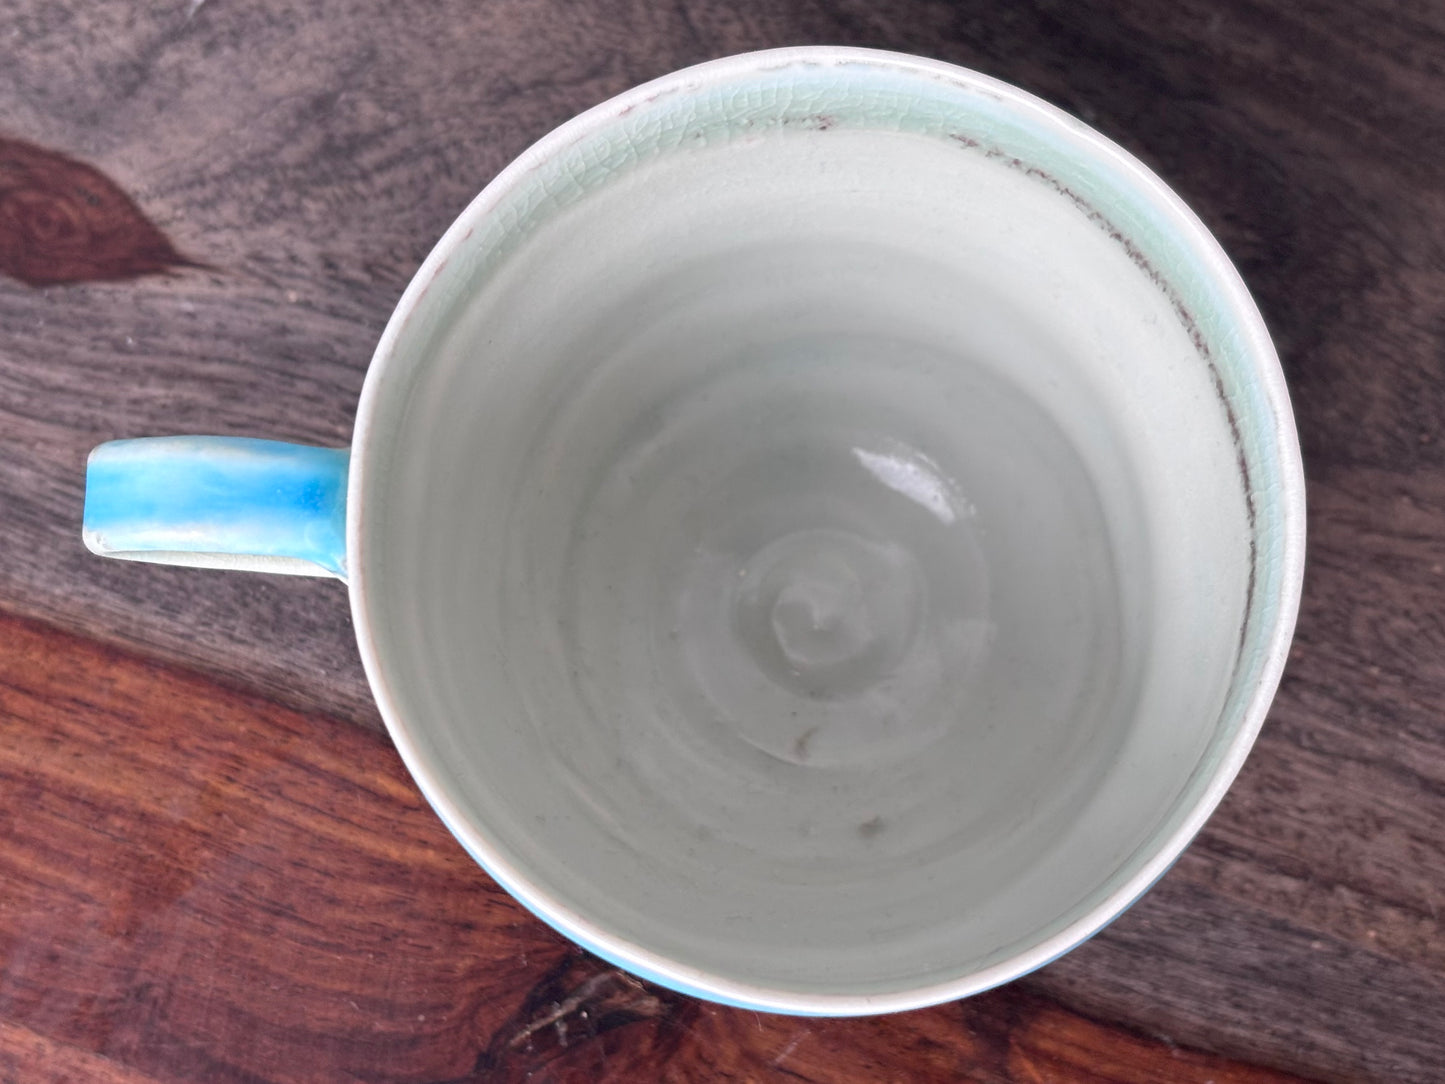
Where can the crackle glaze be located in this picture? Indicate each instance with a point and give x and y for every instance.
(823, 530)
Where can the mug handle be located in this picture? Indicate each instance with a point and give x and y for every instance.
(219, 502)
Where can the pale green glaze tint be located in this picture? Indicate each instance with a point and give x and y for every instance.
(807, 538)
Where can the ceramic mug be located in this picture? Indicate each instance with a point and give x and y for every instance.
(823, 529)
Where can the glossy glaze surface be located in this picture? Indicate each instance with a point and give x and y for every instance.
(236, 503)
(801, 546)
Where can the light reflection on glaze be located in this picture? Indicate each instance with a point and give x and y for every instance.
(916, 477)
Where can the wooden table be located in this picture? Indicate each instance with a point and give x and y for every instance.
(212, 864)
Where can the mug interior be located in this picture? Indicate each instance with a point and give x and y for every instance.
(806, 528)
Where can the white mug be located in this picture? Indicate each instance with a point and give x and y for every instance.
(823, 529)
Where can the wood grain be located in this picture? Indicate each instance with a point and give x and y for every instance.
(309, 155)
(201, 885)
(62, 221)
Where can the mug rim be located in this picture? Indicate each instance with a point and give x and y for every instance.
(1246, 322)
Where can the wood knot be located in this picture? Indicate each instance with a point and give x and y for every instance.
(63, 221)
(573, 1018)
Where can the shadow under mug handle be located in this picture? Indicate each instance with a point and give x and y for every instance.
(219, 502)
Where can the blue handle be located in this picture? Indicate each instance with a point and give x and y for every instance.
(219, 502)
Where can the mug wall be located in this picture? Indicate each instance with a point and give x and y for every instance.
(814, 579)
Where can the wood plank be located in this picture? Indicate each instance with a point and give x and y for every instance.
(310, 157)
(196, 884)
(24, 1056)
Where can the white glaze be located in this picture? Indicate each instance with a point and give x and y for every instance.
(805, 560)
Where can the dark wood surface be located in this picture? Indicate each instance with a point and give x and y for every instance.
(212, 866)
